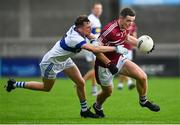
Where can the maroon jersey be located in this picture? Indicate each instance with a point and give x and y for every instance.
(132, 29)
(112, 35)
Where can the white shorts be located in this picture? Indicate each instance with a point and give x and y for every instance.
(104, 76)
(49, 69)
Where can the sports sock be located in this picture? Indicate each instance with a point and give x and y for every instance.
(143, 99)
(129, 82)
(83, 106)
(98, 107)
(19, 84)
(94, 89)
(120, 85)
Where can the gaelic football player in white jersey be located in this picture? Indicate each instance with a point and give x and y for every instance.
(59, 59)
(96, 12)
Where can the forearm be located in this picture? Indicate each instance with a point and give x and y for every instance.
(112, 67)
(102, 49)
(132, 40)
(102, 58)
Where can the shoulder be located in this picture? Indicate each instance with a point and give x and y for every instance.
(77, 38)
(108, 29)
(91, 16)
(112, 23)
(74, 34)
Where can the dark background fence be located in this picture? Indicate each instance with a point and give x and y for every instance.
(29, 28)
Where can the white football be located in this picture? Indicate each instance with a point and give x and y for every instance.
(145, 43)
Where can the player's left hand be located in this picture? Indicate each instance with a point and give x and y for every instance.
(121, 49)
(153, 48)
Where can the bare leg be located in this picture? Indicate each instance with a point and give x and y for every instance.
(93, 79)
(103, 95)
(101, 98)
(91, 75)
(134, 71)
(46, 85)
(75, 75)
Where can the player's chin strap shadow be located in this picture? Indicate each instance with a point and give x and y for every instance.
(153, 48)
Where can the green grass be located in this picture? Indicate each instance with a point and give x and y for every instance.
(61, 105)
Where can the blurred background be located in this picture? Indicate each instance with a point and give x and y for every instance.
(29, 28)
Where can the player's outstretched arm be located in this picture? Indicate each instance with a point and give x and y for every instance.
(98, 49)
(132, 40)
(102, 58)
(101, 49)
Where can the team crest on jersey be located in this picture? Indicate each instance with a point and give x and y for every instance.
(98, 30)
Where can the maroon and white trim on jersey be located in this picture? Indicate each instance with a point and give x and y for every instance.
(112, 35)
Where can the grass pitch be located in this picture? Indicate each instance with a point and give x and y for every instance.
(61, 105)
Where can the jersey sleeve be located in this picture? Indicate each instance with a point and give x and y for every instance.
(77, 42)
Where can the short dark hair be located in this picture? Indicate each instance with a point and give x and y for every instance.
(127, 12)
(80, 20)
(96, 3)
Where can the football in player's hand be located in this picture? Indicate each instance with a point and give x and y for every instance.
(145, 44)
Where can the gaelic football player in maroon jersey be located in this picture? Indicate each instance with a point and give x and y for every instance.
(113, 34)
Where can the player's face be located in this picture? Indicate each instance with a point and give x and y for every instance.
(127, 21)
(86, 28)
(97, 10)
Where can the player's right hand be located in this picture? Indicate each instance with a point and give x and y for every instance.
(112, 68)
(120, 49)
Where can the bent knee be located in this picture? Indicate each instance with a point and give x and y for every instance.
(80, 84)
(107, 93)
(47, 84)
(143, 77)
(46, 89)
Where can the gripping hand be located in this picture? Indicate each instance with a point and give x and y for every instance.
(121, 49)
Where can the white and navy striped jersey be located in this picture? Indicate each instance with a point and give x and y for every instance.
(68, 46)
(96, 25)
